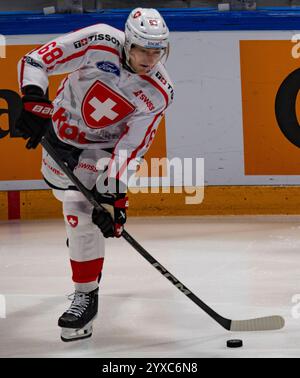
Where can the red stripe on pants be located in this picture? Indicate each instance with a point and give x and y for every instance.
(13, 202)
(86, 271)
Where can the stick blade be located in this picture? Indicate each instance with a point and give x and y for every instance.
(267, 323)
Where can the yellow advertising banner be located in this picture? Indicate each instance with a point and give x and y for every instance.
(270, 85)
(18, 163)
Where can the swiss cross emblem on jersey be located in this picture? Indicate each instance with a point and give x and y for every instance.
(102, 106)
(72, 220)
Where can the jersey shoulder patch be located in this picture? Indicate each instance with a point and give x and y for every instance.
(162, 82)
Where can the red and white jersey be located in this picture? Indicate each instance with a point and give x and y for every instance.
(99, 104)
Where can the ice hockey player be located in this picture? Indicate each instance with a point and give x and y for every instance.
(107, 108)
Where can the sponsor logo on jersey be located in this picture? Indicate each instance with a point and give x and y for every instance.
(96, 37)
(82, 42)
(108, 67)
(32, 62)
(141, 95)
(102, 106)
(72, 220)
(165, 83)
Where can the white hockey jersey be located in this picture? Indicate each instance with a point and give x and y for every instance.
(99, 104)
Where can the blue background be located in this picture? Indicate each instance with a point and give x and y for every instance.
(191, 19)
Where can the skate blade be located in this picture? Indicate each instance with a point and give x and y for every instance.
(71, 334)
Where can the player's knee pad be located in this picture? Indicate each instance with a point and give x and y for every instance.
(77, 210)
(85, 241)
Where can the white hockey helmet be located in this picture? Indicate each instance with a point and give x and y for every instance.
(146, 28)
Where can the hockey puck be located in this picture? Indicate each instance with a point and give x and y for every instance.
(235, 343)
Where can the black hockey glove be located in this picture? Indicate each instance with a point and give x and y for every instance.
(35, 117)
(112, 219)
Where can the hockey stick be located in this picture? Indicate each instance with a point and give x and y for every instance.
(257, 324)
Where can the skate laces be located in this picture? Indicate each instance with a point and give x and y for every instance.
(80, 302)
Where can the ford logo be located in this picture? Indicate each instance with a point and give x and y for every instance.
(108, 67)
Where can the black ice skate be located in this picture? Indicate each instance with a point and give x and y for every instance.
(77, 321)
